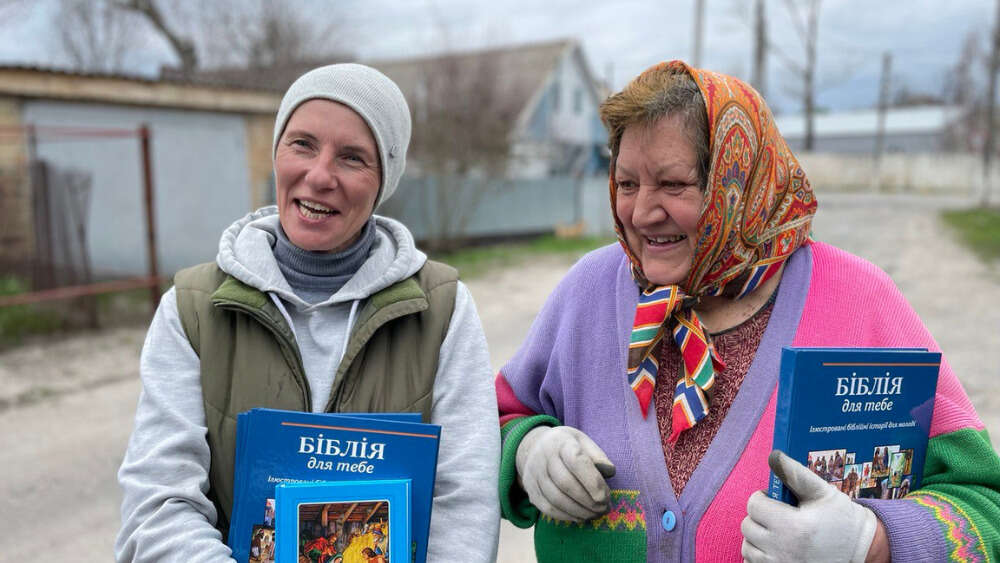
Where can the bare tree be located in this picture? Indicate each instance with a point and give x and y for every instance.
(94, 35)
(461, 127)
(964, 88)
(806, 27)
(267, 33)
(883, 111)
(968, 86)
(181, 44)
(699, 28)
(232, 33)
(989, 145)
(759, 72)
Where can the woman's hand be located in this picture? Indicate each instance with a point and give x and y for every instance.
(563, 472)
(826, 526)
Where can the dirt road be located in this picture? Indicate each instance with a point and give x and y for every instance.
(66, 407)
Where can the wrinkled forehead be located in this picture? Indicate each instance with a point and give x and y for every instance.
(304, 106)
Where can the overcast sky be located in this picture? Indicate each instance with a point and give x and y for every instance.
(621, 38)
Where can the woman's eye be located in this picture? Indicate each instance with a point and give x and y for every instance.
(625, 185)
(354, 159)
(301, 143)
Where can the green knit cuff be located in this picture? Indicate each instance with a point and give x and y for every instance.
(961, 493)
(514, 503)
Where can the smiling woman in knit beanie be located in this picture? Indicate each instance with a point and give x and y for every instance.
(637, 417)
(309, 271)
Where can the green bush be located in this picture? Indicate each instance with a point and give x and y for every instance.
(18, 321)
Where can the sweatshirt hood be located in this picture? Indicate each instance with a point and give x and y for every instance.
(246, 252)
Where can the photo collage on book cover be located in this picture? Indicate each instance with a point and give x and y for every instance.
(339, 532)
(886, 473)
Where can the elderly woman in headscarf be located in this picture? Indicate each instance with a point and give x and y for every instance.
(637, 417)
(318, 305)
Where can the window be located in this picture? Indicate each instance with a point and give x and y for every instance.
(577, 101)
(555, 97)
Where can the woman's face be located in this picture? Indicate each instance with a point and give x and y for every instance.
(659, 197)
(327, 176)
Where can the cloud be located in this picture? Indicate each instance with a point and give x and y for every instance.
(624, 37)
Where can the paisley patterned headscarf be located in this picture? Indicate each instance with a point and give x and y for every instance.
(757, 210)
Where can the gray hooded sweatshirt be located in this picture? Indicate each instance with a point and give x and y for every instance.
(166, 515)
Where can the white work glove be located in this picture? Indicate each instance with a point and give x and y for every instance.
(826, 526)
(563, 472)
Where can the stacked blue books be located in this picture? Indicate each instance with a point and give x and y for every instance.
(276, 447)
(858, 417)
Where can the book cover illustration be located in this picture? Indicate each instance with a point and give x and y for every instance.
(857, 417)
(344, 521)
(275, 447)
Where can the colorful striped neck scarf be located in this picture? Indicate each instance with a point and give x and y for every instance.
(757, 210)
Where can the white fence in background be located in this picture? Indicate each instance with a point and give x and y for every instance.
(958, 174)
(508, 208)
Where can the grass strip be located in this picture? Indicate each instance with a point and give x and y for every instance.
(978, 228)
(476, 261)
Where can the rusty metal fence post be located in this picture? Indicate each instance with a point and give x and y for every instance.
(147, 184)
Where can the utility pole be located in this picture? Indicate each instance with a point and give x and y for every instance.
(883, 109)
(809, 79)
(759, 78)
(699, 17)
(990, 143)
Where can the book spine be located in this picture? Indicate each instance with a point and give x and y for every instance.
(782, 416)
(234, 537)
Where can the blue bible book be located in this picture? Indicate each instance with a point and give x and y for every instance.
(241, 434)
(355, 520)
(857, 417)
(275, 446)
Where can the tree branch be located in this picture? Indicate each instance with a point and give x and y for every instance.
(184, 48)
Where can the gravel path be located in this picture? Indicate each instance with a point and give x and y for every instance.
(66, 406)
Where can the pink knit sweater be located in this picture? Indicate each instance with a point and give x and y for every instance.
(853, 303)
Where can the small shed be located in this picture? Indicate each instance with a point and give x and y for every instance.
(210, 160)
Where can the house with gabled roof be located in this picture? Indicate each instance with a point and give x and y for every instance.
(545, 93)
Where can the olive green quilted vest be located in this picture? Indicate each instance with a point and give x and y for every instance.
(249, 357)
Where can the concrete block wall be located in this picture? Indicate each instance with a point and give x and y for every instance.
(958, 174)
(260, 131)
(16, 235)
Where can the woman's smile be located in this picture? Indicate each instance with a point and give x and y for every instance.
(313, 211)
(663, 243)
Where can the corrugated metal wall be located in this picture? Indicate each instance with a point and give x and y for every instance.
(200, 176)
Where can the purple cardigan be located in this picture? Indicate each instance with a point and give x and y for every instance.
(571, 370)
(572, 367)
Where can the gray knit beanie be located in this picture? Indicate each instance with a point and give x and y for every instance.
(373, 96)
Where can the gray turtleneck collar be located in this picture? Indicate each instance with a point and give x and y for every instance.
(315, 276)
